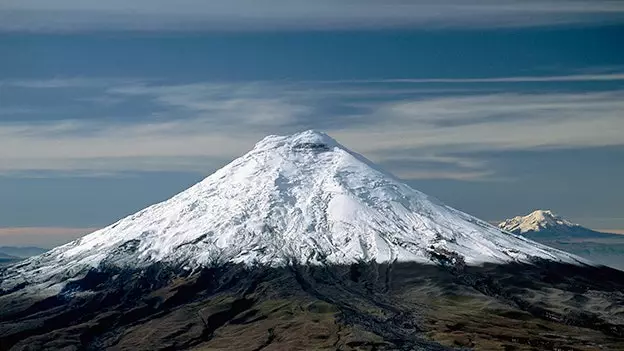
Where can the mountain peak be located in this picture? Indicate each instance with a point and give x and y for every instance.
(306, 140)
(300, 198)
(536, 221)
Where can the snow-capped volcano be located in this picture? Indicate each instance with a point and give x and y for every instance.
(536, 221)
(547, 228)
(542, 224)
(301, 198)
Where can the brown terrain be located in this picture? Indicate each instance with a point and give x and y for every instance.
(545, 306)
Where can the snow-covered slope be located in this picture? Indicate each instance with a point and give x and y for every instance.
(301, 198)
(536, 221)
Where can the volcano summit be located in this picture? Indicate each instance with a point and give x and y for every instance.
(300, 223)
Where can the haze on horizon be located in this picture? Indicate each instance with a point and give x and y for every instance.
(496, 108)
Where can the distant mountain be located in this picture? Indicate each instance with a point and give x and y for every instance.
(543, 223)
(7, 259)
(302, 244)
(5, 256)
(550, 229)
(12, 254)
(21, 251)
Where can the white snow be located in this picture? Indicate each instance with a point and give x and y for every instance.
(534, 222)
(301, 198)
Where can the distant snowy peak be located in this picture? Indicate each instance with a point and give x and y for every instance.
(537, 221)
(301, 198)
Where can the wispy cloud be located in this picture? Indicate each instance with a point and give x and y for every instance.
(198, 127)
(493, 122)
(253, 104)
(141, 86)
(41, 15)
(424, 165)
(613, 231)
(518, 79)
(56, 83)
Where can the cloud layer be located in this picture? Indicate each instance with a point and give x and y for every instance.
(64, 15)
(416, 134)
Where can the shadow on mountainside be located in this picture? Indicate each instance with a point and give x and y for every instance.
(366, 306)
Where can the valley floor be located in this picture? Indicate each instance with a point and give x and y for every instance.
(545, 306)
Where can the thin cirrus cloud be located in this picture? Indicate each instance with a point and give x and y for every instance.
(521, 79)
(138, 86)
(41, 15)
(56, 83)
(493, 122)
(253, 104)
(198, 127)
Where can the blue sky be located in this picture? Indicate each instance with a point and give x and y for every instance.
(496, 108)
